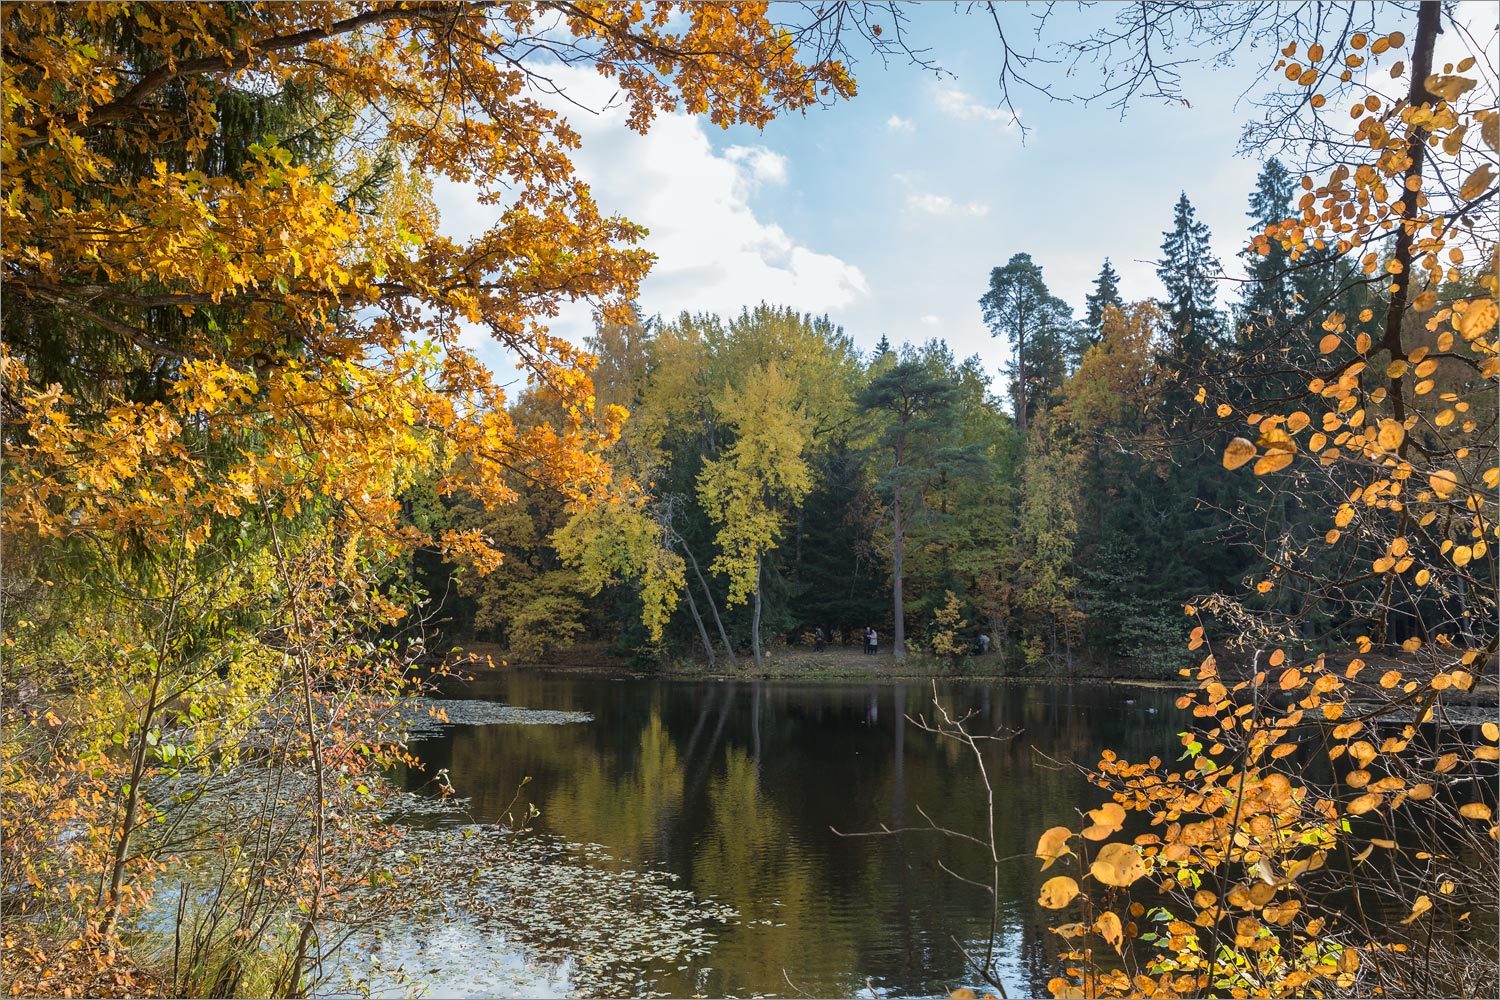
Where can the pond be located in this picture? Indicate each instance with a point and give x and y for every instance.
(741, 791)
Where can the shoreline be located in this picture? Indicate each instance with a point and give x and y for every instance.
(850, 665)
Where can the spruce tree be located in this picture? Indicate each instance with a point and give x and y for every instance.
(1089, 332)
(1189, 270)
(1269, 292)
(1106, 293)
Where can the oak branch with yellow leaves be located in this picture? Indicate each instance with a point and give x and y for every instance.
(233, 345)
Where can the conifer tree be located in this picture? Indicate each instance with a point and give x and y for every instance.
(915, 403)
(1269, 295)
(1106, 293)
(1020, 308)
(1189, 269)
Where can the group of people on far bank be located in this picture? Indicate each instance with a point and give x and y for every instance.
(872, 641)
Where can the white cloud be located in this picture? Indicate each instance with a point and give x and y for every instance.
(898, 124)
(765, 166)
(941, 204)
(714, 253)
(930, 320)
(930, 204)
(956, 103)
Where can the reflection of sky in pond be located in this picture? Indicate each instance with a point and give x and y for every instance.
(449, 960)
(735, 790)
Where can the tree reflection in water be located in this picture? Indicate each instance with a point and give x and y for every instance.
(736, 788)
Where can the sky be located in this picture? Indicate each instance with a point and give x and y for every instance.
(887, 212)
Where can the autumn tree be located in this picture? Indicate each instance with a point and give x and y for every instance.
(763, 475)
(232, 345)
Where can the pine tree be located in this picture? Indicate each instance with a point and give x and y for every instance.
(1189, 269)
(1020, 308)
(915, 405)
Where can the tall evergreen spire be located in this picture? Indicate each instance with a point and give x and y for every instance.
(1106, 293)
(1189, 271)
(1269, 293)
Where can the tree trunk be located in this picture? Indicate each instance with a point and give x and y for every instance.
(898, 554)
(712, 607)
(755, 618)
(708, 644)
(1021, 386)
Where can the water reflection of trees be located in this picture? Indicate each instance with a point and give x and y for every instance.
(735, 787)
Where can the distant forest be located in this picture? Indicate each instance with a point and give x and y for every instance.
(778, 480)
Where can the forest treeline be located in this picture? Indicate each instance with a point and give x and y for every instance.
(1067, 506)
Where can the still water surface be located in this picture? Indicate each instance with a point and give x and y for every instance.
(738, 787)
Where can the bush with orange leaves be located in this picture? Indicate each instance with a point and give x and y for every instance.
(1329, 827)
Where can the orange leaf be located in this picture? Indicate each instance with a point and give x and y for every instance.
(1118, 865)
(1238, 453)
(1058, 892)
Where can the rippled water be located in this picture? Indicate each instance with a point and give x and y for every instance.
(737, 788)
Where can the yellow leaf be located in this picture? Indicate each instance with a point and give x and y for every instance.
(1421, 906)
(1391, 434)
(1329, 343)
(1118, 865)
(1443, 482)
(1108, 926)
(1238, 453)
(1449, 88)
(1107, 819)
(1273, 462)
(1058, 892)
(1475, 317)
(1225, 409)
(1053, 844)
(1477, 183)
